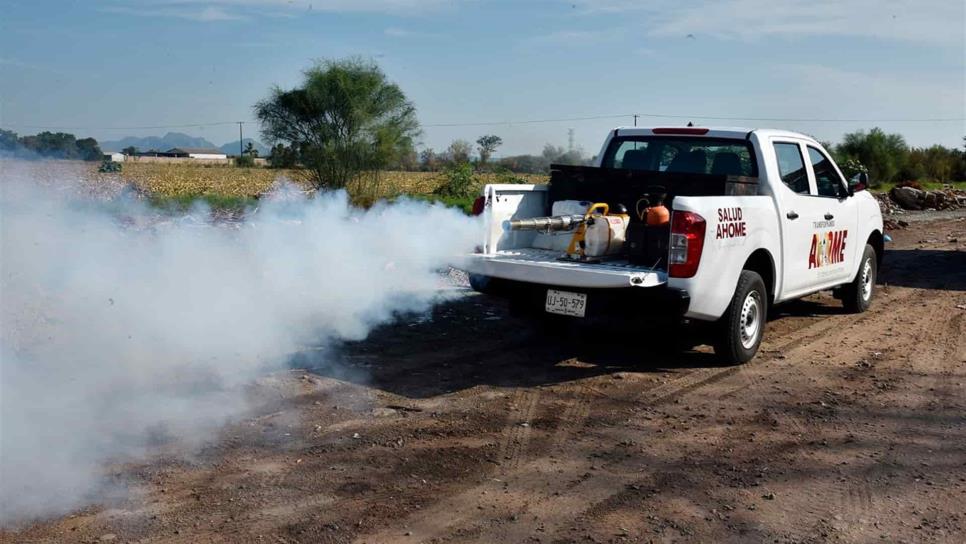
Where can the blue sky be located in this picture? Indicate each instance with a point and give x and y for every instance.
(91, 67)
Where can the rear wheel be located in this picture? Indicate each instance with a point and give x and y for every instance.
(481, 283)
(857, 296)
(740, 329)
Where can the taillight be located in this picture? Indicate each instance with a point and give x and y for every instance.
(478, 205)
(687, 241)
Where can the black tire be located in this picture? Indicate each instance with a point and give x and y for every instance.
(857, 296)
(740, 329)
(481, 284)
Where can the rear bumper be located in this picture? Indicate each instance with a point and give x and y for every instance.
(653, 303)
(544, 267)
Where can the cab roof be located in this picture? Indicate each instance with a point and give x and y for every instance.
(710, 132)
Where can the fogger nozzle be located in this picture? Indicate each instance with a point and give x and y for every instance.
(546, 224)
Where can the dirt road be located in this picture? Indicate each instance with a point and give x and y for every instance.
(472, 427)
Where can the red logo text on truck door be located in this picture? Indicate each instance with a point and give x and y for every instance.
(730, 224)
(827, 248)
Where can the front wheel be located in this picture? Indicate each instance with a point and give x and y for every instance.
(857, 296)
(740, 329)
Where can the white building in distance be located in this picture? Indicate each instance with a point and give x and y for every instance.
(195, 153)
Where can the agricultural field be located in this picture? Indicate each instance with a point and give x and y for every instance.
(230, 186)
(180, 181)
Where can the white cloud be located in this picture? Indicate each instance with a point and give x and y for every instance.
(188, 12)
(860, 100)
(229, 10)
(14, 63)
(934, 22)
(884, 96)
(395, 32)
(574, 37)
(212, 14)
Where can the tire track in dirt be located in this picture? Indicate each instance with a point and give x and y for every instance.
(573, 418)
(593, 491)
(859, 500)
(826, 331)
(554, 501)
(459, 513)
(516, 433)
(853, 501)
(801, 337)
(557, 504)
(752, 375)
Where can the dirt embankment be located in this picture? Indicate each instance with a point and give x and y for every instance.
(472, 427)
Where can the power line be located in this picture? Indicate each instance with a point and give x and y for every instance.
(526, 121)
(189, 125)
(633, 116)
(805, 119)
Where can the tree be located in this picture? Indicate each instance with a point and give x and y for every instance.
(528, 164)
(8, 140)
(130, 151)
(283, 157)
(458, 152)
(250, 150)
(89, 150)
(55, 145)
(429, 160)
(487, 145)
(345, 119)
(407, 161)
(558, 155)
(883, 154)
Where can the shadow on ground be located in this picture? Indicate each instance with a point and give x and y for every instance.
(925, 269)
(473, 340)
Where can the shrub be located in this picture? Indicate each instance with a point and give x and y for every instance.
(459, 181)
(109, 166)
(464, 203)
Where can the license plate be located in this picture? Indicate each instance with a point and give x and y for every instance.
(565, 303)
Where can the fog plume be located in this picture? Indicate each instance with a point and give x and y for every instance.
(117, 326)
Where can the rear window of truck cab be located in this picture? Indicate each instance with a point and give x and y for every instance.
(682, 154)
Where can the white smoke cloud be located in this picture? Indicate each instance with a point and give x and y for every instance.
(116, 328)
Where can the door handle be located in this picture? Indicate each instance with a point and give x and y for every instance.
(829, 217)
(791, 215)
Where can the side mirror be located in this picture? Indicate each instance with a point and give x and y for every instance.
(858, 183)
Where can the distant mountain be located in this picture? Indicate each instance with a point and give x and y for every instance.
(231, 148)
(164, 143)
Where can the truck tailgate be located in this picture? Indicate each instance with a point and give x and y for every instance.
(543, 266)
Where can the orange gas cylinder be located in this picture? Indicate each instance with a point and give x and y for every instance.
(658, 215)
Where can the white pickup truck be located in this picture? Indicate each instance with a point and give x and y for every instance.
(757, 217)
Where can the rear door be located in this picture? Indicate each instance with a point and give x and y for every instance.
(799, 211)
(835, 232)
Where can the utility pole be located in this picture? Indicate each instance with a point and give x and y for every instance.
(240, 150)
(635, 119)
(570, 139)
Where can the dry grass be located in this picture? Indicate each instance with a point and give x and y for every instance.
(179, 180)
(215, 183)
